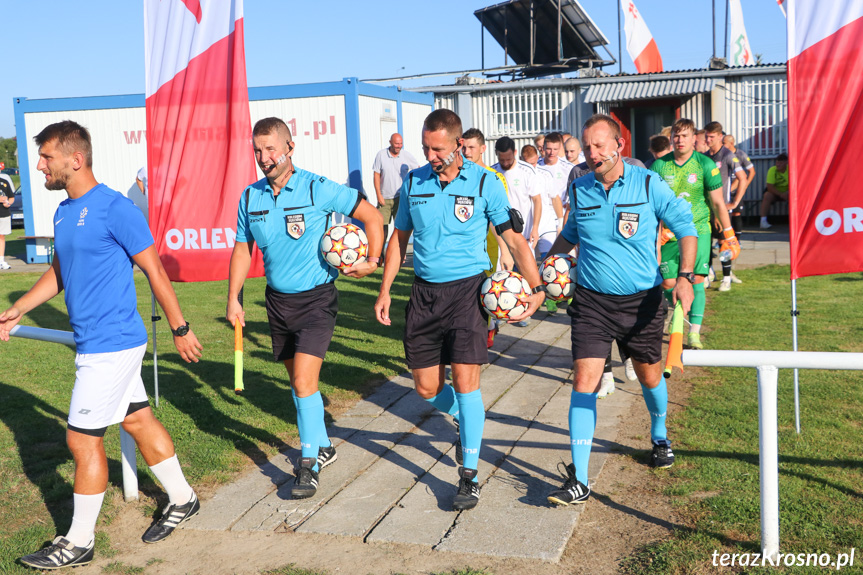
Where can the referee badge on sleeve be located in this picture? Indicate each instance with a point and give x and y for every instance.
(296, 225)
(463, 208)
(627, 224)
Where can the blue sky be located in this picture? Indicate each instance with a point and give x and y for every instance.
(58, 49)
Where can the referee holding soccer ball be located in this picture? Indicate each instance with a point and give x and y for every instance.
(448, 204)
(286, 213)
(615, 212)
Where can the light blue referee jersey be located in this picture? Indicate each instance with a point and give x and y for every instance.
(617, 229)
(288, 227)
(450, 225)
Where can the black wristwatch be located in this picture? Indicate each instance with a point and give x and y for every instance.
(539, 288)
(688, 275)
(181, 331)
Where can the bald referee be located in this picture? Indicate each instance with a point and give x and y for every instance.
(448, 204)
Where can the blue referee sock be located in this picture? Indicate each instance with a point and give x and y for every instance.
(310, 422)
(656, 400)
(471, 426)
(446, 402)
(582, 423)
(324, 441)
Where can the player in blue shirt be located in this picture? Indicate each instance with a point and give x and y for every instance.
(614, 216)
(98, 235)
(447, 205)
(286, 213)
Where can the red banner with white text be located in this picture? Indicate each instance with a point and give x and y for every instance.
(198, 133)
(825, 120)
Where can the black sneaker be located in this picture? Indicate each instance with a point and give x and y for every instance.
(662, 457)
(573, 490)
(459, 454)
(60, 553)
(306, 480)
(171, 517)
(468, 491)
(326, 455)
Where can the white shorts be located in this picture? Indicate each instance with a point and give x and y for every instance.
(6, 226)
(105, 385)
(544, 244)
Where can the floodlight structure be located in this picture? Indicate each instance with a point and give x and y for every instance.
(544, 37)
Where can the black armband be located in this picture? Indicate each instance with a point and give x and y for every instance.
(515, 223)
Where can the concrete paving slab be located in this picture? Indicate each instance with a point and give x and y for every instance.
(355, 455)
(232, 501)
(356, 508)
(481, 531)
(425, 514)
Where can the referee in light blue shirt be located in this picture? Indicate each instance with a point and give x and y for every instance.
(286, 213)
(615, 215)
(448, 204)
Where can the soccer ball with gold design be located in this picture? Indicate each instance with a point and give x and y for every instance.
(559, 276)
(504, 295)
(344, 245)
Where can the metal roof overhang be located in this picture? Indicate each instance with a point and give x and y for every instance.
(510, 24)
(646, 90)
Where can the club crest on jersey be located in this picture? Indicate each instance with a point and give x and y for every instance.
(463, 208)
(296, 225)
(692, 178)
(627, 224)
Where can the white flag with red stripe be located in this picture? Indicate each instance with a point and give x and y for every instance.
(639, 41)
(741, 53)
(198, 133)
(825, 119)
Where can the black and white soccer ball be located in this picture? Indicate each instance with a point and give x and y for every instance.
(344, 245)
(504, 295)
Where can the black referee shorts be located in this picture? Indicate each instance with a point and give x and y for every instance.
(634, 321)
(302, 322)
(445, 323)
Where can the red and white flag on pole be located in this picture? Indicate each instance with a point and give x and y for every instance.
(639, 41)
(198, 133)
(825, 119)
(741, 53)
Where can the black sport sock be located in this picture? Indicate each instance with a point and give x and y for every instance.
(726, 269)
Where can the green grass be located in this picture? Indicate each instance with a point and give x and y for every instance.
(217, 434)
(715, 482)
(15, 246)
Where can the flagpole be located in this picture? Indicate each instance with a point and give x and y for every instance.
(154, 318)
(713, 11)
(794, 313)
(725, 37)
(619, 42)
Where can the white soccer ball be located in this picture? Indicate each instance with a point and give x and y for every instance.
(504, 295)
(344, 245)
(559, 276)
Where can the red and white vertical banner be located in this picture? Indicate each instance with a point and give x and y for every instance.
(199, 151)
(639, 41)
(825, 120)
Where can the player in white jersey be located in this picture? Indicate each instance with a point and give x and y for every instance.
(524, 193)
(548, 228)
(525, 190)
(559, 168)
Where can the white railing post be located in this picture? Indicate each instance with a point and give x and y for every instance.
(130, 466)
(768, 444)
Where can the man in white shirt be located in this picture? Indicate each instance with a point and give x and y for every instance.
(525, 190)
(559, 168)
(548, 229)
(391, 167)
